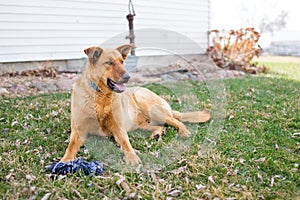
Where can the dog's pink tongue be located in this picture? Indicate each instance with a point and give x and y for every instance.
(121, 87)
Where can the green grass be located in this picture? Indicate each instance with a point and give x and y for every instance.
(283, 70)
(256, 153)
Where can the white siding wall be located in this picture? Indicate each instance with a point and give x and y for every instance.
(61, 29)
(188, 17)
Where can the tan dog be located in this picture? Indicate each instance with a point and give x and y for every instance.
(101, 106)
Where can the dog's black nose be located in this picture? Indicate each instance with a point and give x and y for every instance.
(125, 77)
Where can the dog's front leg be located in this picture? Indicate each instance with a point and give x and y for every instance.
(76, 141)
(129, 155)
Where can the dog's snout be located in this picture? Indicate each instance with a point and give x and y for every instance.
(125, 77)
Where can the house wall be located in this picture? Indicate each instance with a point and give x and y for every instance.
(36, 30)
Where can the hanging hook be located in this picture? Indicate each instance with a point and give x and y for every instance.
(131, 8)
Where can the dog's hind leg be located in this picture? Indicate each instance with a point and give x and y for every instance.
(182, 130)
(162, 114)
(157, 131)
(165, 118)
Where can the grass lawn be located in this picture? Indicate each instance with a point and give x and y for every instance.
(256, 153)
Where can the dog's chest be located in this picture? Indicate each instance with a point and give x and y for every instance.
(104, 114)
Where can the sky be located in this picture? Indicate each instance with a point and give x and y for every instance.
(235, 14)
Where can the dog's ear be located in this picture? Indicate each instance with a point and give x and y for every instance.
(125, 49)
(93, 53)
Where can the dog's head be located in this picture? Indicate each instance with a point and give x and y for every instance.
(106, 66)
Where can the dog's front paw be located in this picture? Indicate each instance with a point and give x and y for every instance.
(131, 159)
(67, 158)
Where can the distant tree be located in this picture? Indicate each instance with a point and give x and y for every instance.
(270, 26)
(266, 16)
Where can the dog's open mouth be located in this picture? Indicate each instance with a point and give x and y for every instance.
(116, 87)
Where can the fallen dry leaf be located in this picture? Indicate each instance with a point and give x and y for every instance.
(296, 135)
(13, 123)
(11, 175)
(174, 193)
(132, 195)
(293, 170)
(33, 189)
(224, 180)
(277, 176)
(261, 160)
(54, 113)
(30, 177)
(168, 187)
(208, 195)
(25, 142)
(152, 175)
(272, 182)
(121, 182)
(182, 161)
(200, 153)
(210, 179)
(46, 196)
(48, 130)
(232, 173)
(35, 151)
(259, 176)
(179, 170)
(251, 90)
(78, 194)
(60, 177)
(231, 117)
(200, 186)
(242, 161)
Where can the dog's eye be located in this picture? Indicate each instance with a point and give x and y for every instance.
(109, 62)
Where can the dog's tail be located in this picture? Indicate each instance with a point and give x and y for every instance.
(192, 117)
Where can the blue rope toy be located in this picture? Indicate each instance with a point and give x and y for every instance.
(89, 168)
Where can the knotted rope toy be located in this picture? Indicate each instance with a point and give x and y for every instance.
(89, 168)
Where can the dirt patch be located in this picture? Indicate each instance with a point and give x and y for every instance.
(31, 85)
(50, 81)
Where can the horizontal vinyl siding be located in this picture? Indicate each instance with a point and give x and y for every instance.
(61, 29)
(56, 29)
(189, 17)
